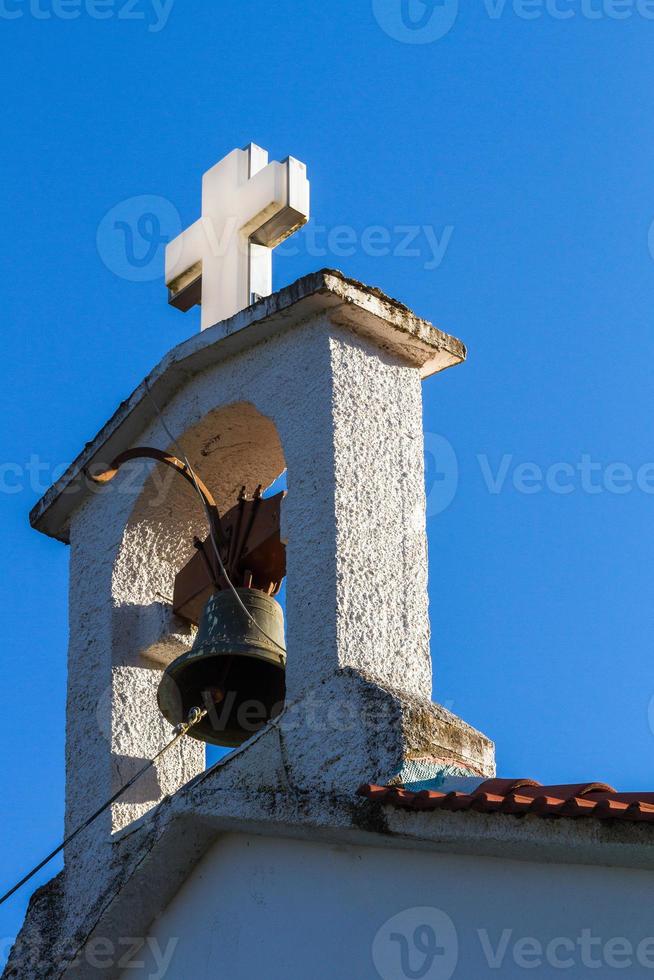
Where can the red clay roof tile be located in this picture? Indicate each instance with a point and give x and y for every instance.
(520, 797)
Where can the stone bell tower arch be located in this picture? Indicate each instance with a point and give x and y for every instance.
(322, 379)
(129, 539)
(236, 447)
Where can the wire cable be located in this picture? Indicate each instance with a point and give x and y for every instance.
(194, 718)
(196, 714)
(214, 543)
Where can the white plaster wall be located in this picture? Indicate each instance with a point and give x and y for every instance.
(349, 419)
(345, 418)
(381, 546)
(295, 909)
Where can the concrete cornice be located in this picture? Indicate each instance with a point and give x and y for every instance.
(160, 852)
(362, 309)
(253, 791)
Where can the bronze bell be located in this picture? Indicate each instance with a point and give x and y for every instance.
(234, 670)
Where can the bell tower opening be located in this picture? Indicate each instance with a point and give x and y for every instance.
(221, 574)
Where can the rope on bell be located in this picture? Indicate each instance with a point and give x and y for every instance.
(194, 718)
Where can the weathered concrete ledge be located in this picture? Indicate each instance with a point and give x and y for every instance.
(155, 856)
(271, 785)
(362, 309)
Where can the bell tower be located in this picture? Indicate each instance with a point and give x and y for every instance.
(322, 380)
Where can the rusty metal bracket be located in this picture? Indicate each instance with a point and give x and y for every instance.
(252, 551)
(247, 536)
(147, 452)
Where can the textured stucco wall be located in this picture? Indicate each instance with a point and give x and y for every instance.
(381, 544)
(344, 417)
(287, 909)
(349, 421)
(346, 420)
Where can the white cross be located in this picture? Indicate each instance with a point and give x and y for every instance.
(224, 260)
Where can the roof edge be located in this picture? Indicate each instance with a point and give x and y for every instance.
(364, 309)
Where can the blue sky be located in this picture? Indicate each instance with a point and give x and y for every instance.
(506, 152)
